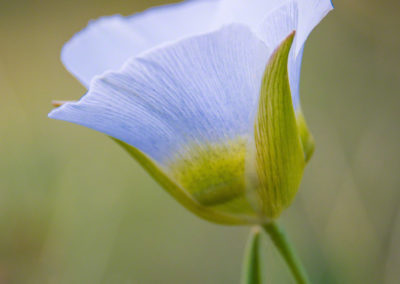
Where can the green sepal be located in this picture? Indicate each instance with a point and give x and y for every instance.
(177, 192)
(254, 263)
(280, 159)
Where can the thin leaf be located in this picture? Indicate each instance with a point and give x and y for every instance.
(254, 263)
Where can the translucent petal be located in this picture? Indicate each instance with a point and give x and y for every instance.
(302, 16)
(108, 42)
(275, 27)
(274, 20)
(105, 44)
(311, 12)
(249, 12)
(255, 13)
(201, 89)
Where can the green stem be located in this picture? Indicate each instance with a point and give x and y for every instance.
(282, 243)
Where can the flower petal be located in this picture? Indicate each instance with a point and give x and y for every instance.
(256, 14)
(105, 44)
(201, 89)
(302, 16)
(273, 30)
(249, 12)
(311, 12)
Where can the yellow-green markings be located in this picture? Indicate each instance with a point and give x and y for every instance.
(214, 175)
(246, 180)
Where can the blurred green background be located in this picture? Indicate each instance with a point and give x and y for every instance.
(74, 208)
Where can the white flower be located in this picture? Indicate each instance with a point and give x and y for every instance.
(188, 86)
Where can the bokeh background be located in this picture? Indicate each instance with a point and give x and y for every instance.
(74, 208)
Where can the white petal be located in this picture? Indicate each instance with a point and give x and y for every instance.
(249, 12)
(105, 44)
(301, 16)
(311, 12)
(255, 13)
(273, 30)
(273, 20)
(200, 89)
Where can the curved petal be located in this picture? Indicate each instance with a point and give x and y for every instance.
(108, 42)
(255, 13)
(200, 89)
(299, 15)
(105, 44)
(249, 12)
(311, 12)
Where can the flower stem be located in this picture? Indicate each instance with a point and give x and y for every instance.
(282, 243)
